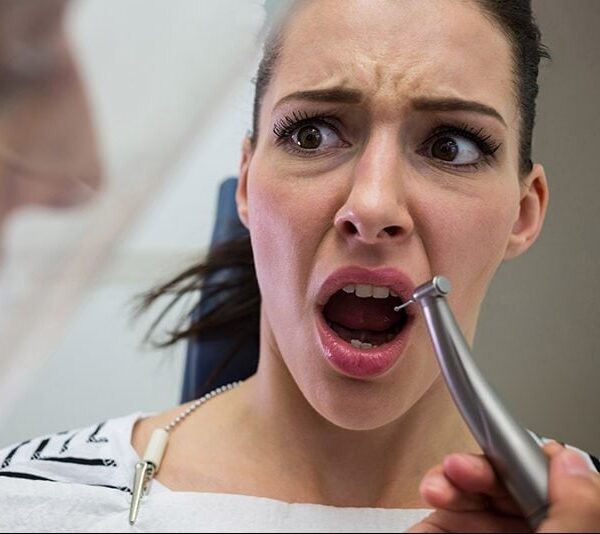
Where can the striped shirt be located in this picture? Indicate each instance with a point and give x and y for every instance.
(81, 480)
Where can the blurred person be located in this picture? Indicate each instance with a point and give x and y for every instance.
(49, 161)
(48, 149)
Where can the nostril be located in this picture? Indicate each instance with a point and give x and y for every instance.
(392, 231)
(349, 228)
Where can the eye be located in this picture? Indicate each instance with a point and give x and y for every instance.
(307, 135)
(456, 150)
(312, 137)
(462, 146)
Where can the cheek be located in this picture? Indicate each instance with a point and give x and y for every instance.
(271, 239)
(467, 240)
(288, 218)
(477, 234)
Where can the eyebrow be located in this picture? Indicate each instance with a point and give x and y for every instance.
(455, 104)
(353, 96)
(334, 95)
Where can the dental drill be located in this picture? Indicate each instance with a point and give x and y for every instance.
(514, 453)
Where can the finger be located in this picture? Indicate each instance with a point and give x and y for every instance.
(553, 448)
(574, 491)
(474, 474)
(438, 492)
(471, 472)
(569, 472)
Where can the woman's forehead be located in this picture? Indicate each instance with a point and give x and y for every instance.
(395, 51)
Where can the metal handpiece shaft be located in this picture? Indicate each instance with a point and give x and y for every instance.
(514, 453)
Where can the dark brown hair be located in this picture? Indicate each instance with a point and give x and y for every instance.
(237, 311)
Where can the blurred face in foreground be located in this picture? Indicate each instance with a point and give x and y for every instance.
(387, 153)
(48, 151)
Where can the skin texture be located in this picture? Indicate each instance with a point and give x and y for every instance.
(371, 195)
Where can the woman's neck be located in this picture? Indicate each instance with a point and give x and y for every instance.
(316, 461)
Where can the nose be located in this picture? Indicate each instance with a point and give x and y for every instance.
(376, 209)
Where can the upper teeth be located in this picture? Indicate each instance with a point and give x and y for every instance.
(368, 290)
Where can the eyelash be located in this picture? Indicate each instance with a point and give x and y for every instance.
(285, 127)
(484, 141)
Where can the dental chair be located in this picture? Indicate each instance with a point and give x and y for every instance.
(204, 356)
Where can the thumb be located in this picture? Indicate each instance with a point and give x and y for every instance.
(574, 494)
(566, 469)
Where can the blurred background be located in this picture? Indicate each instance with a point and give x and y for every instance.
(135, 115)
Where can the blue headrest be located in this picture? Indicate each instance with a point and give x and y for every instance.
(204, 355)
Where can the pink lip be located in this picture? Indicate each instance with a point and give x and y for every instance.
(352, 361)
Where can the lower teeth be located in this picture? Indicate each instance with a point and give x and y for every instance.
(345, 333)
(360, 345)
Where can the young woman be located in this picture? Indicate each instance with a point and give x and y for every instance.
(391, 143)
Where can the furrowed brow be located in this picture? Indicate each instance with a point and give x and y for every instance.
(337, 95)
(456, 104)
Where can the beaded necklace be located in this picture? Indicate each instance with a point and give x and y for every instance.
(148, 466)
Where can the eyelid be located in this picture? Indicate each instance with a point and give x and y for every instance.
(484, 143)
(286, 127)
(479, 136)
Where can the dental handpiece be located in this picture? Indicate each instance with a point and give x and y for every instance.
(514, 453)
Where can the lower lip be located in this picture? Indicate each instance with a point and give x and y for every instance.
(361, 363)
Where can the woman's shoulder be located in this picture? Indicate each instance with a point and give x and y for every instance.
(98, 455)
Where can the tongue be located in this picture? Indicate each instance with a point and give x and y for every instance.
(357, 313)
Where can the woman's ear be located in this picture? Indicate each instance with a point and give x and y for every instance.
(241, 194)
(531, 214)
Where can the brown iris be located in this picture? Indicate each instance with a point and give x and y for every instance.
(308, 137)
(445, 149)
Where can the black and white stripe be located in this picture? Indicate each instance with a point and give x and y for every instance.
(92, 456)
(100, 455)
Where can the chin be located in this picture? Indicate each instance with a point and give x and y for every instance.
(361, 405)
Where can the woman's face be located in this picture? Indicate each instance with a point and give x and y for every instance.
(387, 153)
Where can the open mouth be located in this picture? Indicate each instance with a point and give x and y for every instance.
(363, 315)
(360, 333)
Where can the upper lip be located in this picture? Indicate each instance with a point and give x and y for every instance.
(390, 277)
